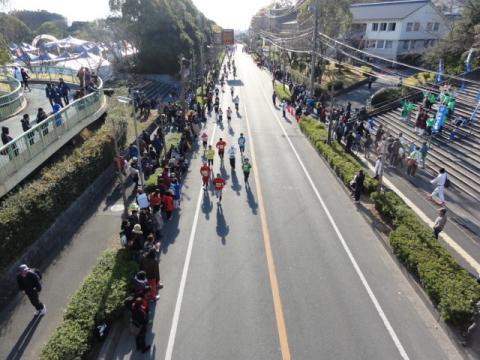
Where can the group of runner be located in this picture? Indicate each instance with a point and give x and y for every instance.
(206, 170)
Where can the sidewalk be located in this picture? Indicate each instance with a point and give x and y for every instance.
(21, 334)
(463, 225)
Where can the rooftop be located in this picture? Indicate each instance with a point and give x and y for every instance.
(386, 10)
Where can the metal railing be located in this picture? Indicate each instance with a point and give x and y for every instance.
(22, 149)
(12, 102)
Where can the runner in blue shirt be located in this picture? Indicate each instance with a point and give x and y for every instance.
(241, 144)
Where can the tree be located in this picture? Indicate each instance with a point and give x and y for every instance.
(161, 30)
(50, 28)
(34, 19)
(14, 30)
(4, 51)
(334, 18)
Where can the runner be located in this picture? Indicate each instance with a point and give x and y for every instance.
(205, 173)
(241, 144)
(210, 154)
(220, 115)
(247, 167)
(232, 90)
(204, 140)
(231, 156)
(218, 184)
(274, 97)
(236, 101)
(221, 148)
(229, 114)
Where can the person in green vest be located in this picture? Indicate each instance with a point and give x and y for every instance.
(430, 123)
(407, 108)
(431, 100)
(450, 107)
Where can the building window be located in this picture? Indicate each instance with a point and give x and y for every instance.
(388, 44)
(409, 26)
(436, 26)
(429, 26)
(392, 26)
(405, 44)
(426, 43)
(380, 44)
(375, 27)
(371, 44)
(383, 26)
(416, 27)
(413, 44)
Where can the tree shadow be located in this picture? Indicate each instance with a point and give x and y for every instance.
(207, 205)
(24, 339)
(251, 199)
(222, 228)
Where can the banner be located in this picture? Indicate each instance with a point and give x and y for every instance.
(468, 67)
(439, 72)
(439, 118)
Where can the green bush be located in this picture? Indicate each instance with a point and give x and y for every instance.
(42, 200)
(283, 94)
(449, 286)
(386, 95)
(99, 300)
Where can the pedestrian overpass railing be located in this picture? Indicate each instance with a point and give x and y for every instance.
(55, 129)
(13, 101)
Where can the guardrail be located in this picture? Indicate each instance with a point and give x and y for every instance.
(12, 102)
(18, 152)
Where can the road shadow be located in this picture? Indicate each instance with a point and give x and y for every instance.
(235, 184)
(252, 203)
(235, 82)
(222, 228)
(24, 339)
(230, 130)
(223, 172)
(207, 204)
(169, 232)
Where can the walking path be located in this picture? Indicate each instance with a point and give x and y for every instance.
(21, 334)
(464, 219)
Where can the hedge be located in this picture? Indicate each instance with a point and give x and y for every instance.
(283, 94)
(99, 300)
(450, 287)
(29, 211)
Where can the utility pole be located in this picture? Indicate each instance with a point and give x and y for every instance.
(182, 84)
(202, 68)
(314, 49)
(383, 159)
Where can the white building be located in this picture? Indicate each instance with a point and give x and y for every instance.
(394, 29)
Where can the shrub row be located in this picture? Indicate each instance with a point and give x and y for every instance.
(283, 94)
(449, 286)
(29, 211)
(99, 300)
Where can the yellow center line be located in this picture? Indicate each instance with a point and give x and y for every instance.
(277, 302)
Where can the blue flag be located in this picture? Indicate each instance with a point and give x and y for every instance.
(474, 113)
(439, 72)
(439, 118)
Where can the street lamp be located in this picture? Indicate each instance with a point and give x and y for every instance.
(127, 100)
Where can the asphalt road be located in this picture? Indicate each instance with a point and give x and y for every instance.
(286, 269)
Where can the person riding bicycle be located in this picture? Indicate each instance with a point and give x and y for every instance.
(241, 144)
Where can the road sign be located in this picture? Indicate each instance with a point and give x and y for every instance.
(228, 37)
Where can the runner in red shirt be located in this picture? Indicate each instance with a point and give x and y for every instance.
(205, 173)
(218, 184)
(221, 148)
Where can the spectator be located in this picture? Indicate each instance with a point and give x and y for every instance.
(29, 282)
(64, 90)
(356, 185)
(412, 163)
(136, 243)
(49, 93)
(139, 323)
(152, 271)
(81, 76)
(440, 222)
(142, 199)
(424, 152)
(25, 121)
(168, 204)
(378, 167)
(25, 78)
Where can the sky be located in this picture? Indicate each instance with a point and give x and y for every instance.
(234, 14)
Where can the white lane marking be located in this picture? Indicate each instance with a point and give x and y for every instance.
(359, 272)
(186, 265)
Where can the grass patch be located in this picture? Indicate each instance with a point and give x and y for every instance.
(283, 94)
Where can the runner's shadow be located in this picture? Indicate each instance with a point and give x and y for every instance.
(207, 205)
(223, 172)
(251, 199)
(235, 184)
(231, 131)
(24, 339)
(222, 228)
